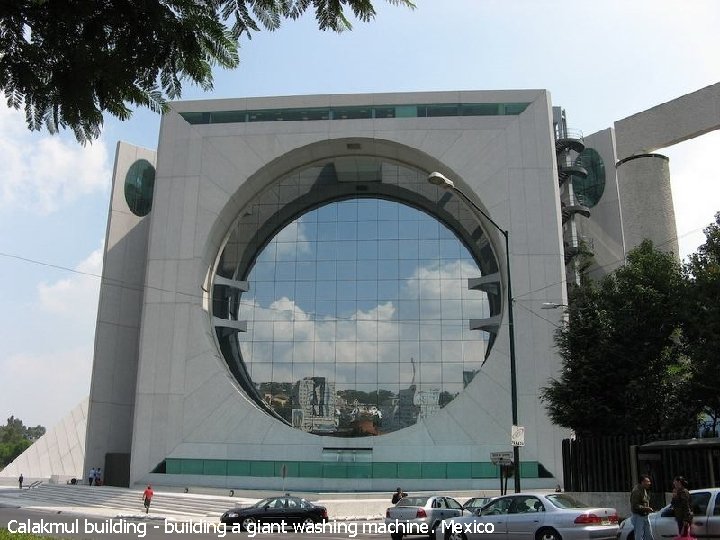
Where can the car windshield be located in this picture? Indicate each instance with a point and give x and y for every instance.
(262, 502)
(561, 500)
(413, 501)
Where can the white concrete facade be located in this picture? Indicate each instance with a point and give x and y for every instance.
(188, 405)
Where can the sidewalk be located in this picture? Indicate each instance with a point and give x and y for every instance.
(112, 502)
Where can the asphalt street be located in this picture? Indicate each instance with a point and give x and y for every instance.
(64, 525)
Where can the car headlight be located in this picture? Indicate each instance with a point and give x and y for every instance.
(231, 514)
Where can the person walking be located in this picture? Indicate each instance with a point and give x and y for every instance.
(399, 494)
(680, 504)
(640, 508)
(98, 476)
(147, 497)
(91, 476)
(20, 480)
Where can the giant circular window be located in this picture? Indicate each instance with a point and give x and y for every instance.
(139, 185)
(357, 317)
(589, 190)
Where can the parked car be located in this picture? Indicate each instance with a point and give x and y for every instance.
(274, 510)
(475, 503)
(705, 505)
(533, 516)
(413, 514)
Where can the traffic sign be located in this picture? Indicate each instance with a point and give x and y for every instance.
(501, 458)
(517, 436)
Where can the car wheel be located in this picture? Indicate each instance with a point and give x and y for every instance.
(308, 522)
(547, 534)
(450, 535)
(248, 523)
(431, 534)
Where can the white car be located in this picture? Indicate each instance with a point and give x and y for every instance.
(706, 521)
(533, 516)
(413, 516)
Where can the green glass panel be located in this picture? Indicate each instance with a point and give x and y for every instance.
(310, 469)
(442, 110)
(384, 112)
(406, 111)
(384, 470)
(173, 466)
(352, 113)
(409, 470)
(434, 470)
(292, 469)
(139, 186)
(513, 108)
(262, 468)
(359, 470)
(529, 469)
(459, 470)
(215, 467)
(227, 117)
(480, 109)
(238, 468)
(588, 191)
(335, 470)
(192, 466)
(484, 470)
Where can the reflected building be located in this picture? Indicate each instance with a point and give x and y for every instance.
(284, 290)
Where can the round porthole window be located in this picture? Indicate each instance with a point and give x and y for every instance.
(355, 311)
(139, 185)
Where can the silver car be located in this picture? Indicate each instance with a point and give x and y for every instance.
(705, 505)
(533, 516)
(413, 516)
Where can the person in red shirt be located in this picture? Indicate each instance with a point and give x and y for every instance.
(147, 497)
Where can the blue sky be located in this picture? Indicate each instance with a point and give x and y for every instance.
(601, 61)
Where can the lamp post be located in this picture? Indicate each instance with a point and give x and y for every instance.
(441, 180)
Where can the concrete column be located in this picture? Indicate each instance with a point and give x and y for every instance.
(646, 201)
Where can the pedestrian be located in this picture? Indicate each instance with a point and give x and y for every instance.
(20, 480)
(640, 508)
(147, 497)
(680, 504)
(399, 494)
(91, 476)
(98, 476)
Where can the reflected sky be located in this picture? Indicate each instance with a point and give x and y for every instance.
(360, 308)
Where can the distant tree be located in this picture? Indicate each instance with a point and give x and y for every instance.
(623, 371)
(15, 438)
(702, 324)
(66, 62)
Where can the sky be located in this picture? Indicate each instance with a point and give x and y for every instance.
(601, 61)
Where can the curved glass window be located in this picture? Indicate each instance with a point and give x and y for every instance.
(588, 191)
(139, 185)
(357, 317)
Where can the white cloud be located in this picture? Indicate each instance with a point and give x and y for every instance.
(43, 388)
(41, 172)
(75, 297)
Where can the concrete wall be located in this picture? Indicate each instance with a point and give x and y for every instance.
(187, 403)
(114, 372)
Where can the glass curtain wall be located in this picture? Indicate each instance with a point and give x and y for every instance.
(358, 319)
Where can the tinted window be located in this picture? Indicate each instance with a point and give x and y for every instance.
(566, 501)
(412, 501)
(498, 506)
(699, 502)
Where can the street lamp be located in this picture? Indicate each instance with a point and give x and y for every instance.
(441, 180)
(552, 305)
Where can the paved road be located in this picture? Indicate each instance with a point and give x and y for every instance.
(64, 525)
